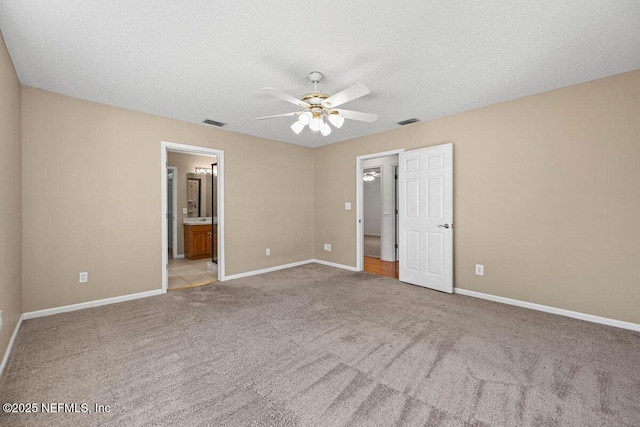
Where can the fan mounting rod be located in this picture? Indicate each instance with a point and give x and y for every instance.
(315, 98)
(315, 77)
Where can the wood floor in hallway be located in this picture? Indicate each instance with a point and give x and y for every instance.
(381, 268)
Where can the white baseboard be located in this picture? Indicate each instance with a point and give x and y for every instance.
(212, 266)
(293, 264)
(333, 264)
(547, 309)
(88, 304)
(179, 256)
(266, 270)
(7, 352)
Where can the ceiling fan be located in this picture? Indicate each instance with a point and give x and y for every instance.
(371, 174)
(318, 108)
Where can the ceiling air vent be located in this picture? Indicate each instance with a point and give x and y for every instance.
(408, 121)
(213, 123)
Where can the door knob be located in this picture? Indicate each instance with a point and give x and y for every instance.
(445, 226)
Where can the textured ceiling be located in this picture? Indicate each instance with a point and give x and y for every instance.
(197, 59)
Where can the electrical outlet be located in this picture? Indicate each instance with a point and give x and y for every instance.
(84, 277)
(268, 251)
(327, 247)
(479, 270)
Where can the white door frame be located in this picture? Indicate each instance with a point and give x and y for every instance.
(174, 207)
(360, 202)
(396, 211)
(203, 151)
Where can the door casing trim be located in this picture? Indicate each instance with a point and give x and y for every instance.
(204, 151)
(360, 202)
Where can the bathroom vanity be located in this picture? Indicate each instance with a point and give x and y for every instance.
(200, 239)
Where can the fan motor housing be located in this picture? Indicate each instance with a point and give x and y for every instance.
(315, 98)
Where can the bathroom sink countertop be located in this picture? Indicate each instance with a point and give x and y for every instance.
(200, 221)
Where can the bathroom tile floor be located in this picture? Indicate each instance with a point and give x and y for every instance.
(185, 273)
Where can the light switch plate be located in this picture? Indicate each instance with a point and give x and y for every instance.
(347, 206)
(184, 211)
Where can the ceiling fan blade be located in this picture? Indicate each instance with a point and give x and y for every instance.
(277, 115)
(357, 115)
(279, 94)
(349, 94)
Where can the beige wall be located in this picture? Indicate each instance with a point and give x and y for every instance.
(187, 163)
(78, 158)
(546, 195)
(11, 196)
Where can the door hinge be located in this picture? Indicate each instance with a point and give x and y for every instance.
(396, 246)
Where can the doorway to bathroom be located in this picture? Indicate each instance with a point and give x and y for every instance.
(192, 216)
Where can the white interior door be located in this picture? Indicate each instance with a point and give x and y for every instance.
(426, 217)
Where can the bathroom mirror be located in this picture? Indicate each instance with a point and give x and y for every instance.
(199, 195)
(194, 196)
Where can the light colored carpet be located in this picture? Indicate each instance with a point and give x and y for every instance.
(372, 246)
(313, 345)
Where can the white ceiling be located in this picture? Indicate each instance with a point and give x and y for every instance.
(197, 59)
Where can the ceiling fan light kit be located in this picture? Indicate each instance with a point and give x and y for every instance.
(297, 127)
(316, 123)
(318, 107)
(370, 175)
(305, 118)
(336, 119)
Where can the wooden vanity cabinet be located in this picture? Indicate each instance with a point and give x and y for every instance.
(198, 240)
